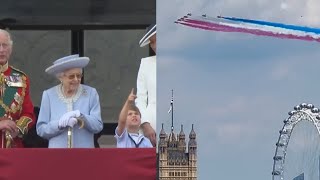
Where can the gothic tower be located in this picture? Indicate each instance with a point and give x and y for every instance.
(192, 149)
(174, 162)
(162, 148)
(182, 141)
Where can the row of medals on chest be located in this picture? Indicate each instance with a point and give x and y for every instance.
(14, 80)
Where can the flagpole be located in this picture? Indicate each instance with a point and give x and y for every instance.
(172, 110)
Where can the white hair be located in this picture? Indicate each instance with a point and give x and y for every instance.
(8, 35)
(60, 74)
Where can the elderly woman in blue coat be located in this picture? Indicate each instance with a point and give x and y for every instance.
(70, 107)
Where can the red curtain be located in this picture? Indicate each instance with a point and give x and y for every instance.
(78, 164)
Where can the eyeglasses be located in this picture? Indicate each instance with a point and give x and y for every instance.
(73, 76)
(5, 45)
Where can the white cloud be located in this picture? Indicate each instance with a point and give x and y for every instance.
(311, 12)
(168, 62)
(281, 70)
(284, 5)
(237, 105)
(233, 133)
(241, 119)
(288, 66)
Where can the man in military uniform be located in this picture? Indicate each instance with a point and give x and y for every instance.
(16, 108)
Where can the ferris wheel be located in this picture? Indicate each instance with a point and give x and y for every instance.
(299, 160)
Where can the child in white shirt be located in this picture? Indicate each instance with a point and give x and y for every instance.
(127, 131)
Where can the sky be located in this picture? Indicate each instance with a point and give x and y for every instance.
(235, 88)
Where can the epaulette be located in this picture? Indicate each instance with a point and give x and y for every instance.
(18, 70)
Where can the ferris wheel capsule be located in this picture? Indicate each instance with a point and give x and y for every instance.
(297, 108)
(303, 105)
(280, 144)
(292, 113)
(277, 158)
(314, 110)
(276, 173)
(310, 106)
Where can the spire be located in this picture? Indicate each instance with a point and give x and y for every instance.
(192, 134)
(182, 142)
(162, 133)
(181, 134)
(192, 141)
(162, 142)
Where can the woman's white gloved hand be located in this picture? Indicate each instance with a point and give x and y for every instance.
(69, 119)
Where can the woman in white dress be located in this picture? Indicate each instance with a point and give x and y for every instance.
(146, 87)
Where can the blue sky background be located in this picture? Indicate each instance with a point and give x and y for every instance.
(236, 88)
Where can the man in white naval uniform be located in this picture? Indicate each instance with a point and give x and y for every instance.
(146, 87)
